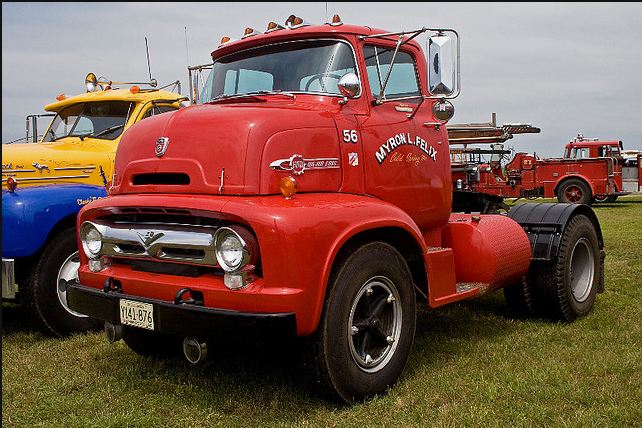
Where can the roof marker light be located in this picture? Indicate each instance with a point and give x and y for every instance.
(224, 40)
(249, 31)
(293, 22)
(134, 89)
(61, 97)
(336, 20)
(273, 26)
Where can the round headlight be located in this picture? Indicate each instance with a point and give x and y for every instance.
(91, 241)
(231, 251)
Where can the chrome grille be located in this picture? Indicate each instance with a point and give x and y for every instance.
(160, 242)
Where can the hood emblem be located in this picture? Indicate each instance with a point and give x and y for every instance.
(161, 146)
(149, 237)
(297, 164)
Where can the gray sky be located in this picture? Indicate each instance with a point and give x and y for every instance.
(565, 67)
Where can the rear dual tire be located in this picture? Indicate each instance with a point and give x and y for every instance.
(563, 289)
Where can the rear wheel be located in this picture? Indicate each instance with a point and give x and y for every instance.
(45, 294)
(568, 286)
(574, 191)
(368, 324)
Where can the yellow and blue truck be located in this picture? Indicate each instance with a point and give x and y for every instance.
(46, 183)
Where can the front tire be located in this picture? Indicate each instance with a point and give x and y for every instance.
(46, 298)
(368, 324)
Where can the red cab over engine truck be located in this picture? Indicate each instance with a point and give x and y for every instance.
(310, 194)
(577, 180)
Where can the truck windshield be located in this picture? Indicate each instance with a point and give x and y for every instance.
(312, 66)
(105, 120)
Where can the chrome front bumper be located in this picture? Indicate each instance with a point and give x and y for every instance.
(8, 279)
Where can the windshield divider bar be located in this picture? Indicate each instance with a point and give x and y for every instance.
(392, 63)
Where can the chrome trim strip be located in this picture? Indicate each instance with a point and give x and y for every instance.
(52, 177)
(132, 241)
(74, 168)
(8, 279)
(5, 171)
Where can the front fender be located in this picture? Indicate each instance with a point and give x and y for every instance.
(310, 231)
(30, 214)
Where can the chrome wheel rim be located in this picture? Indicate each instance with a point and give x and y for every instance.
(582, 270)
(68, 271)
(374, 324)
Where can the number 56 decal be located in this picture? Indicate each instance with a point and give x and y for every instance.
(350, 136)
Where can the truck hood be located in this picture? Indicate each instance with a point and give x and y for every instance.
(227, 148)
(68, 160)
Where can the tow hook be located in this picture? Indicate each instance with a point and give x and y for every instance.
(113, 332)
(194, 350)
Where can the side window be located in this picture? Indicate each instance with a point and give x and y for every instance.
(403, 78)
(156, 109)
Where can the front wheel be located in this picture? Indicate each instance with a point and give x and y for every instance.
(368, 324)
(45, 293)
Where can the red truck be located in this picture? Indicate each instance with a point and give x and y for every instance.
(573, 179)
(309, 195)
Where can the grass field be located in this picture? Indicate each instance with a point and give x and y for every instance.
(472, 365)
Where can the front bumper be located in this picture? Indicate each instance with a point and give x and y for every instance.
(8, 279)
(181, 319)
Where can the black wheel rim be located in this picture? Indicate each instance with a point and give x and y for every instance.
(374, 324)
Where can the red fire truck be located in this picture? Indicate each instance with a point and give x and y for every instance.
(309, 194)
(574, 179)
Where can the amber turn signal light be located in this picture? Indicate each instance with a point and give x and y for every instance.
(288, 187)
(11, 184)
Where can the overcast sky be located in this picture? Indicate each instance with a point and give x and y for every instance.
(565, 67)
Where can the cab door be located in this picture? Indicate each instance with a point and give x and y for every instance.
(400, 153)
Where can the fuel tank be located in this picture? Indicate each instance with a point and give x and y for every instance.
(490, 250)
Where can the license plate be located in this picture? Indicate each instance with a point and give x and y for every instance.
(137, 314)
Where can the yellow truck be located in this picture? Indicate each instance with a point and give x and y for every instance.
(46, 183)
(79, 144)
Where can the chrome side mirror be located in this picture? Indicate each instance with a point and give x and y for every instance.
(349, 85)
(443, 65)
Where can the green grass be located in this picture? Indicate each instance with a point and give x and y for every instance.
(472, 365)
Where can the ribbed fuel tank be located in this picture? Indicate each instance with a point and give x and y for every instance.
(489, 249)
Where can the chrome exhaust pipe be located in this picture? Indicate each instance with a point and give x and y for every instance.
(194, 350)
(113, 332)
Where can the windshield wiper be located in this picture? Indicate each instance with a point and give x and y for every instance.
(108, 130)
(252, 94)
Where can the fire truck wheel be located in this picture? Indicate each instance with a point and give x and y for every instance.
(151, 344)
(572, 281)
(45, 296)
(368, 324)
(574, 191)
(607, 199)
